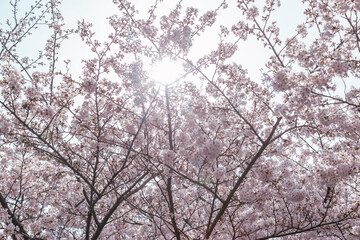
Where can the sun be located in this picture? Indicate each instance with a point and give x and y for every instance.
(166, 71)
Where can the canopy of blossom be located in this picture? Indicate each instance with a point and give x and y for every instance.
(215, 154)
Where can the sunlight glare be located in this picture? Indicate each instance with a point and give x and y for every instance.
(166, 71)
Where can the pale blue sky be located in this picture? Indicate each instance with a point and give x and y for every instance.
(251, 53)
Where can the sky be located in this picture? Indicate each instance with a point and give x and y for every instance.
(251, 54)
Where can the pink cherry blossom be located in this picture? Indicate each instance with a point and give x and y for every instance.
(96, 149)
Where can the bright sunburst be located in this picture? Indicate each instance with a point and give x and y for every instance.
(166, 71)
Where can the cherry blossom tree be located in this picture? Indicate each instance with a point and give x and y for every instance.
(215, 154)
